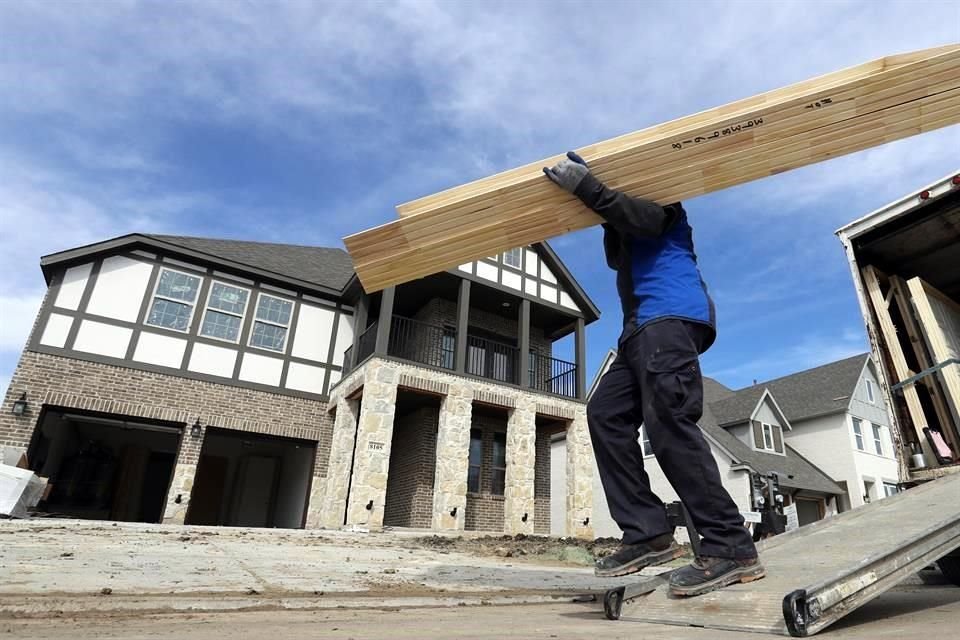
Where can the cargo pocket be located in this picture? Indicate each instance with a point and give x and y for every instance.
(673, 372)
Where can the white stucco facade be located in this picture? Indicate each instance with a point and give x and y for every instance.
(830, 442)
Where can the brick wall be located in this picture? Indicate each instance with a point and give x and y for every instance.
(409, 501)
(439, 311)
(66, 382)
(484, 509)
(541, 483)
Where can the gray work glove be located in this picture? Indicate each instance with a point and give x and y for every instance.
(569, 172)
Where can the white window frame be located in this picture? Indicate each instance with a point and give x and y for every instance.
(286, 337)
(890, 489)
(871, 397)
(154, 296)
(519, 251)
(858, 440)
(207, 309)
(877, 439)
(767, 430)
(644, 441)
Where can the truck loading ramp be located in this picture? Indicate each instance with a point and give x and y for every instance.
(818, 573)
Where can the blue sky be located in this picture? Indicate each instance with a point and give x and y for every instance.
(303, 122)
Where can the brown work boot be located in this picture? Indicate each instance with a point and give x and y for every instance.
(709, 574)
(630, 558)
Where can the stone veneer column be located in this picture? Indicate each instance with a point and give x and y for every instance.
(521, 463)
(317, 503)
(374, 436)
(453, 458)
(184, 473)
(334, 502)
(579, 478)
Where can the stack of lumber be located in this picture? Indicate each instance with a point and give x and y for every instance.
(930, 322)
(836, 114)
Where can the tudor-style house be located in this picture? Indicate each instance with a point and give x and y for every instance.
(219, 382)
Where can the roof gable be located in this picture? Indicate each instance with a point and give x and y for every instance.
(317, 268)
(821, 390)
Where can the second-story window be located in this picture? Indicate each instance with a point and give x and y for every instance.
(513, 258)
(877, 440)
(870, 396)
(858, 432)
(271, 323)
(226, 306)
(173, 300)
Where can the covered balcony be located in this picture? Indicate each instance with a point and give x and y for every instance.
(455, 345)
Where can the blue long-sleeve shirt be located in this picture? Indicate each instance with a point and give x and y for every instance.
(651, 248)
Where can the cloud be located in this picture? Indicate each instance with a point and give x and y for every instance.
(811, 351)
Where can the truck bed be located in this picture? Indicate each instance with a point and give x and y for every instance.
(821, 572)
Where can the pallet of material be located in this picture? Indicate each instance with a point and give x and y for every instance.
(826, 117)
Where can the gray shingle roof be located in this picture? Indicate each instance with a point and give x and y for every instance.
(795, 471)
(323, 266)
(814, 392)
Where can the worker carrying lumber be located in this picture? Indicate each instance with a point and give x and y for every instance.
(655, 380)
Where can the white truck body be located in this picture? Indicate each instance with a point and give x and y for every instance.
(917, 236)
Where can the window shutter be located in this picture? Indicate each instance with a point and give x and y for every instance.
(777, 438)
(757, 435)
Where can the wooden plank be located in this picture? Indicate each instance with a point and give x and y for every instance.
(901, 297)
(900, 369)
(939, 317)
(414, 234)
(431, 241)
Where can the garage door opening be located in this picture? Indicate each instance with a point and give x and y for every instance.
(251, 480)
(104, 466)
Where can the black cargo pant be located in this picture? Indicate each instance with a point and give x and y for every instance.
(656, 380)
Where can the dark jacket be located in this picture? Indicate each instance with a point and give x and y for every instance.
(651, 249)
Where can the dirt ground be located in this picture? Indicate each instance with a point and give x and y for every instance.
(902, 614)
(572, 551)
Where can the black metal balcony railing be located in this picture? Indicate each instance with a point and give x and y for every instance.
(493, 360)
(553, 375)
(421, 342)
(436, 346)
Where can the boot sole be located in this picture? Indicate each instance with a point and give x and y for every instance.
(743, 575)
(651, 559)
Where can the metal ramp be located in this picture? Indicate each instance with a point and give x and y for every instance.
(818, 573)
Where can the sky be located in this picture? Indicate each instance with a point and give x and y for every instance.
(304, 122)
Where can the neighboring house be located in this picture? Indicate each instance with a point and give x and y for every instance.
(745, 432)
(220, 382)
(840, 423)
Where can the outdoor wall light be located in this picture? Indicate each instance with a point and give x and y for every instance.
(20, 406)
(196, 430)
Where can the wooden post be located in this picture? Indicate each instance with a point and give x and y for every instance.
(385, 321)
(463, 326)
(359, 324)
(581, 359)
(523, 365)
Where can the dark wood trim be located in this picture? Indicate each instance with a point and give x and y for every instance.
(360, 318)
(144, 309)
(180, 373)
(288, 351)
(313, 478)
(193, 331)
(463, 327)
(385, 320)
(580, 360)
(82, 306)
(524, 332)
